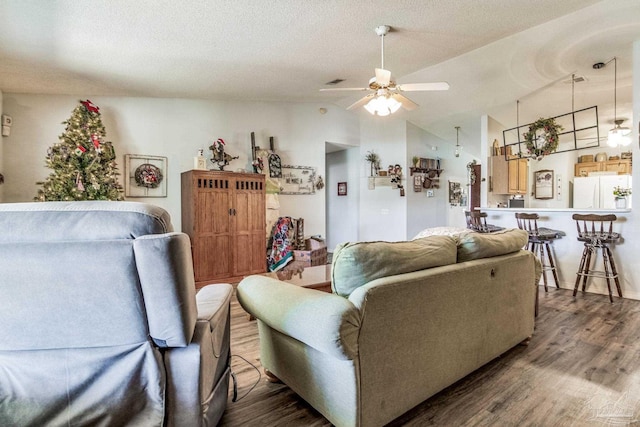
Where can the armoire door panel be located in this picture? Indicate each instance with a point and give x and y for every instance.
(212, 257)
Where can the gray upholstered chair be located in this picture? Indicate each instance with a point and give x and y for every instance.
(100, 323)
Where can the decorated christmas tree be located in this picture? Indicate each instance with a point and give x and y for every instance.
(83, 163)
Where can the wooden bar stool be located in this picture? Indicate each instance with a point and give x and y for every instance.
(477, 221)
(596, 231)
(540, 240)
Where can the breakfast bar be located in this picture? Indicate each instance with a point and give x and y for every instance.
(568, 250)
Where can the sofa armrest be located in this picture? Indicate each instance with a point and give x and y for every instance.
(326, 322)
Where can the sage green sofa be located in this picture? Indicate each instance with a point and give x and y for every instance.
(404, 321)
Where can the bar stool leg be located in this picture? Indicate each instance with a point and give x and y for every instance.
(607, 273)
(580, 269)
(614, 271)
(587, 266)
(552, 264)
(540, 248)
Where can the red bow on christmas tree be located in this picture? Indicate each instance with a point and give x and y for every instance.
(90, 106)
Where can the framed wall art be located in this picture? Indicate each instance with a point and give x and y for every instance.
(145, 176)
(342, 189)
(544, 184)
(455, 193)
(298, 180)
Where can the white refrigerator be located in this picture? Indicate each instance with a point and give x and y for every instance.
(596, 192)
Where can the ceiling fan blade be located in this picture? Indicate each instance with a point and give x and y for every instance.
(383, 77)
(360, 102)
(407, 104)
(338, 89)
(414, 87)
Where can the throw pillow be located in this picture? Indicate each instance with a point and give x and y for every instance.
(355, 264)
(484, 245)
(440, 231)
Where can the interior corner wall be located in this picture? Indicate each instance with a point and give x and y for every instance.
(176, 129)
(635, 133)
(424, 211)
(342, 211)
(383, 212)
(2, 138)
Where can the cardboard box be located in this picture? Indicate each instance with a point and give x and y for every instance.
(315, 253)
(586, 158)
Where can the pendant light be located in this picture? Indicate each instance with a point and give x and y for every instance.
(619, 134)
(458, 146)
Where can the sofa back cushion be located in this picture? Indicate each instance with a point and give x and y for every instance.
(355, 264)
(474, 245)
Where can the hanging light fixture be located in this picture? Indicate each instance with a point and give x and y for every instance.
(619, 135)
(458, 146)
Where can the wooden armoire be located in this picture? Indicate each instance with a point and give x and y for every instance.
(224, 215)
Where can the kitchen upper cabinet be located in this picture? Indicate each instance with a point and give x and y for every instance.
(509, 176)
(621, 167)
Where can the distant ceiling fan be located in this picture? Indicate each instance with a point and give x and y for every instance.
(386, 96)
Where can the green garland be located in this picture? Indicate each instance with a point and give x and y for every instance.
(550, 135)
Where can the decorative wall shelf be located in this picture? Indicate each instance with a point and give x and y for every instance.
(426, 171)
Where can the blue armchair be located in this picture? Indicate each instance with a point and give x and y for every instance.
(100, 323)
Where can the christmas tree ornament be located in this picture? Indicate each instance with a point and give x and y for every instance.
(79, 184)
(80, 150)
(90, 106)
(95, 140)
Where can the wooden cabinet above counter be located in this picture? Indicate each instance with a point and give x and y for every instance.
(622, 167)
(508, 176)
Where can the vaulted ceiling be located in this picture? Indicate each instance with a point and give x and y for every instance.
(491, 52)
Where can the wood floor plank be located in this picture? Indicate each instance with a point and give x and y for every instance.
(581, 368)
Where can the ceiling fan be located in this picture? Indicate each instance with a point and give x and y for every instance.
(386, 96)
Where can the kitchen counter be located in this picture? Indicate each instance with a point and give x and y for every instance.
(550, 210)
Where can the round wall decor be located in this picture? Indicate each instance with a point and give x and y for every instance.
(148, 175)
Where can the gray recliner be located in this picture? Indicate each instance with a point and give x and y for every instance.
(100, 323)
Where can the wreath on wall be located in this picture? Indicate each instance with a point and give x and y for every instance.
(472, 172)
(542, 137)
(148, 175)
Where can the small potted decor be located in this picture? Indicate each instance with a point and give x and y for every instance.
(374, 161)
(621, 196)
(416, 161)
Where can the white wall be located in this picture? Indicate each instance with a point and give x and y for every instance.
(342, 211)
(422, 211)
(2, 138)
(176, 128)
(383, 212)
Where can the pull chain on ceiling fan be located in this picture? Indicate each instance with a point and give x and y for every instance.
(386, 97)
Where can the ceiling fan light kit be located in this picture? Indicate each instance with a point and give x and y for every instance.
(387, 98)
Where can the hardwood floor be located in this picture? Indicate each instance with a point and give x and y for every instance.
(582, 367)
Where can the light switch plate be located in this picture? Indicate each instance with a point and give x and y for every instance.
(429, 193)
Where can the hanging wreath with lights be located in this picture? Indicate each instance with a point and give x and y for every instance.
(542, 137)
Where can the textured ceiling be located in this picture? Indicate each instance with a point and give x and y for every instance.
(491, 51)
